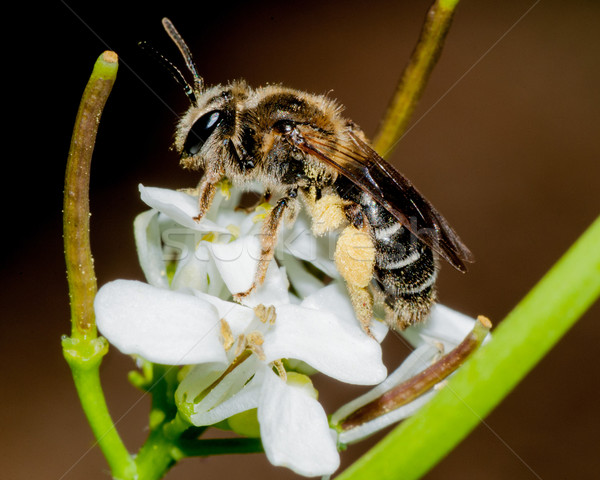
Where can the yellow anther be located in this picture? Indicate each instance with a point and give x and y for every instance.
(254, 341)
(278, 365)
(225, 188)
(262, 211)
(266, 314)
(234, 230)
(209, 237)
(226, 334)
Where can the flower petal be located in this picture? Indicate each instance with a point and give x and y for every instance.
(199, 272)
(300, 242)
(237, 316)
(160, 325)
(180, 206)
(237, 262)
(304, 283)
(417, 361)
(273, 291)
(443, 325)
(334, 298)
(232, 394)
(326, 342)
(147, 240)
(376, 425)
(294, 429)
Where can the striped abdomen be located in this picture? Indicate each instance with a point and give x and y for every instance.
(405, 268)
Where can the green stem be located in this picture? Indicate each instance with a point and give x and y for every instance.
(415, 76)
(160, 452)
(520, 341)
(84, 357)
(76, 208)
(84, 351)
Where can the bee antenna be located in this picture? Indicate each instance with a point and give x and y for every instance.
(185, 52)
(172, 69)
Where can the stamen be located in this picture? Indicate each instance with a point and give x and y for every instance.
(262, 211)
(226, 334)
(254, 341)
(241, 345)
(266, 315)
(224, 187)
(278, 365)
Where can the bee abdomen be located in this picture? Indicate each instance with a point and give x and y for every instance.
(405, 270)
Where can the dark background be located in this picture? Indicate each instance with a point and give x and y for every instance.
(504, 143)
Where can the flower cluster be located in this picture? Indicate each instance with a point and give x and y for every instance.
(255, 356)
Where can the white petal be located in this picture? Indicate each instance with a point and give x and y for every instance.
(366, 430)
(294, 429)
(180, 206)
(160, 325)
(326, 343)
(237, 262)
(443, 325)
(198, 378)
(300, 242)
(334, 298)
(199, 272)
(237, 316)
(417, 361)
(192, 271)
(273, 291)
(233, 394)
(147, 240)
(303, 282)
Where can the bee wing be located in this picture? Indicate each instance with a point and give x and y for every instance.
(371, 173)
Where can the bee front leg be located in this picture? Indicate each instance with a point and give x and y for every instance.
(206, 193)
(269, 236)
(355, 260)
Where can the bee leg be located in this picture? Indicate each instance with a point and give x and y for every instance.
(355, 260)
(206, 193)
(269, 235)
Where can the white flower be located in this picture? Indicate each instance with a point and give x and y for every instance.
(184, 317)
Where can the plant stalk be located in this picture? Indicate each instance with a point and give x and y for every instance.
(415, 76)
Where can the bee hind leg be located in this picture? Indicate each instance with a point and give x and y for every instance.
(355, 260)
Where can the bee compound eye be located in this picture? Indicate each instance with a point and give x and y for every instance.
(284, 126)
(201, 130)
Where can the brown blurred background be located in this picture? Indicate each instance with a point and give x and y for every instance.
(505, 143)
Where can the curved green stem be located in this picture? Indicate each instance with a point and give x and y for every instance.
(83, 350)
(415, 76)
(76, 207)
(517, 345)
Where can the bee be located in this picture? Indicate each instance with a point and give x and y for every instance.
(303, 151)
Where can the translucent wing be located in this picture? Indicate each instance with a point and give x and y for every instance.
(358, 162)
